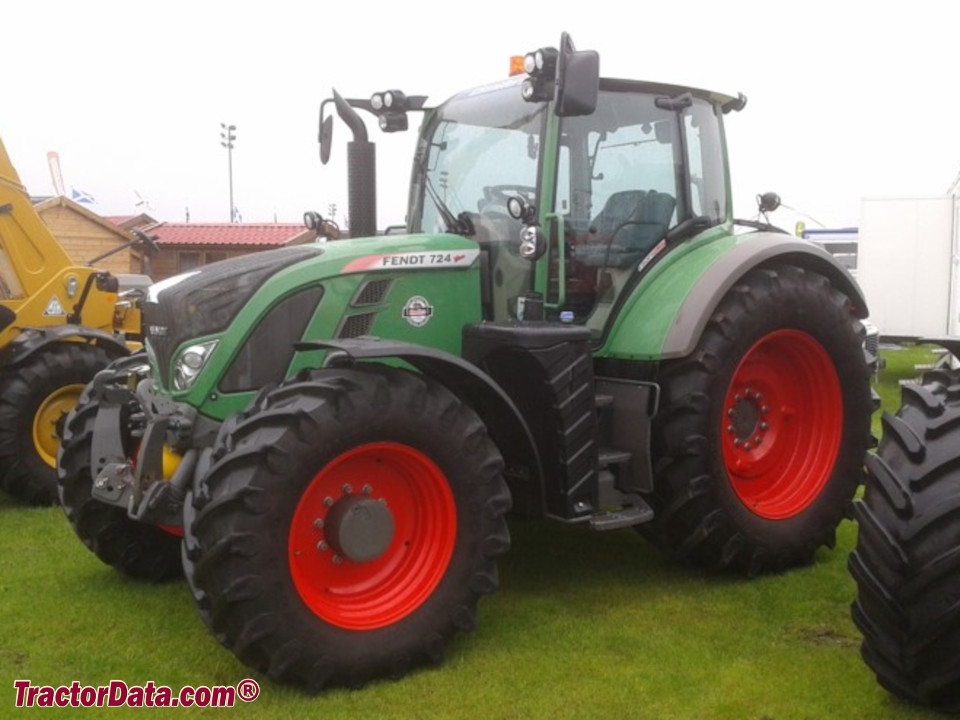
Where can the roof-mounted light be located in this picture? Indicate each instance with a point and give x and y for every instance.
(541, 68)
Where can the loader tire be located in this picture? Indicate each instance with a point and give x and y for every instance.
(349, 524)
(759, 442)
(138, 550)
(35, 397)
(907, 560)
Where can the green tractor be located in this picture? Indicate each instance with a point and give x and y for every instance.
(569, 327)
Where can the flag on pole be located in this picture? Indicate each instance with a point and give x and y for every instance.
(81, 197)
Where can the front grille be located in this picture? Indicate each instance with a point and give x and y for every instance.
(356, 325)
(207, 301)
(267, 352)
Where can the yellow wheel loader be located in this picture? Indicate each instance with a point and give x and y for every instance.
(60, 324)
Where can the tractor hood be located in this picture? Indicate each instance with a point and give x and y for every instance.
(238, 292)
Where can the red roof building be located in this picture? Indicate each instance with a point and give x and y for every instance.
(185, 246)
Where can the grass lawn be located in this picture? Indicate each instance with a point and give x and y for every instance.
(585, 625)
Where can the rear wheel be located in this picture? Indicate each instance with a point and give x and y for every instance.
(907, 560)
(35, 397)
(762, 430)
(347, 528)
(136, 549)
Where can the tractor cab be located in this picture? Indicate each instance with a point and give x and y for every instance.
(569, 211)
(572, 186)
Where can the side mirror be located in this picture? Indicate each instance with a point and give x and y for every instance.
(578, 80)
(768, 202)
(326, 135)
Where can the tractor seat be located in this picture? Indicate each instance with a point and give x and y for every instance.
(630, 224)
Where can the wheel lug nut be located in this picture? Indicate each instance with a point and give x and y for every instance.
(737, 442)
(758, 439)
(328, 501)
(748, 392)
(318, 524)
(322, 545)
(747, 446)
(765, 409)
(730, 412)
(764, 426)
(759, 397)
(737, 397)
(366, 489)
(347, 489)
(337, 559)
(730, 429)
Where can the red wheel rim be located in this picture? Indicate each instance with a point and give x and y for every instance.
(782, 424)
(379, 592)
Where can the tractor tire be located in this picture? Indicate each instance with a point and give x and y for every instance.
(759, 443)
(907, 559)
(138, 550)
(35, 397)
(347, 527)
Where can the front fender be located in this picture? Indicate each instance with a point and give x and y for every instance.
(31, 340)
(503, 419)
(668, 311)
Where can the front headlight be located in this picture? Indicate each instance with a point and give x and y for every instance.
(189, 364)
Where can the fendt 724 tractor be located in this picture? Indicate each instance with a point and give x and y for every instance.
(60, 324)
(570, 327)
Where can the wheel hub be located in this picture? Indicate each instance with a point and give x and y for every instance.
(747, 419)
(359, 528)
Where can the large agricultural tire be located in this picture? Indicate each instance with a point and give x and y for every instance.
(347, 528)
(138, 550)
(907, 559)
(760, 438)
(35, 397)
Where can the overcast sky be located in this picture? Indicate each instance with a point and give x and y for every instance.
(845, 99)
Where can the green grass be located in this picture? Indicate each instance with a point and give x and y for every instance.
(586, 625)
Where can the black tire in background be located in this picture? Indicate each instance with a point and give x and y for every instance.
(270, 552)
(35, 396)
(136, 549)
(907, 560)
(759, 441)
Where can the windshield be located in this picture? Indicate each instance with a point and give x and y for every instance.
(475, 152)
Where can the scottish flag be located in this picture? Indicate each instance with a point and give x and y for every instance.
(81, 197)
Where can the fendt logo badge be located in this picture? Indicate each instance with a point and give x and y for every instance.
(418, 311)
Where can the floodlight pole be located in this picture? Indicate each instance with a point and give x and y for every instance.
(227, 136)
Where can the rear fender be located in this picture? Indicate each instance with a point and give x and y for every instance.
(666, 314)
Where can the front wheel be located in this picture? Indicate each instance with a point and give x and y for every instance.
(760, 440)
(138, 550)
(35, 397)
(347, 528)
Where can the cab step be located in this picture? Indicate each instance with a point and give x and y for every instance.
(624, 517)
